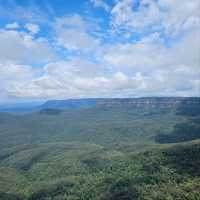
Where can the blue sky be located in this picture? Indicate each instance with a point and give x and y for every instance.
(97, 48)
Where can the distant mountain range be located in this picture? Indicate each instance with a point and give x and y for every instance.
(20, 107)
(168, 102)
(162, 102)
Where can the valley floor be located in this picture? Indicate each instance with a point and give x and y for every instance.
(100, 154)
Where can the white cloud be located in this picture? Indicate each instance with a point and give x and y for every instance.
(168, 16)
(14, 78)
(101, 4)
(173, 70)
(21, 47)
(13, 25)
(152, 65)
(180, 15)
(143, 68)
(78, 78)
(32, 28)
(59, 80)
(141, 55)
(151, 53)
(74, 33)
(77, 40)
(126, 17)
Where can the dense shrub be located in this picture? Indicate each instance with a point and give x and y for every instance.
(122, 190)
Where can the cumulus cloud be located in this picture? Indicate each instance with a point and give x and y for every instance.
(22, 47)
(163, 61)
(73, 33)
(14, 78)
(61, 80)
(151, 53)
(74, 79)
(163, 70)
(32, 28)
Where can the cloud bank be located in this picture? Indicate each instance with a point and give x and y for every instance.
(149, 48)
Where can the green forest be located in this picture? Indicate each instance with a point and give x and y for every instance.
(101, 153)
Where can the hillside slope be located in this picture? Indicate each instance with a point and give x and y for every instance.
(83, 171)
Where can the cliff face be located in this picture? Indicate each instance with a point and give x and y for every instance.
(169, 102)
(162, 102)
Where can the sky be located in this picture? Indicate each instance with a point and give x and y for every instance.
(60, 49)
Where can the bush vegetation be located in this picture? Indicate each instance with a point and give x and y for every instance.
(115, 153)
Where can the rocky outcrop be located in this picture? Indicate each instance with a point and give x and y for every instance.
(169, 102)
